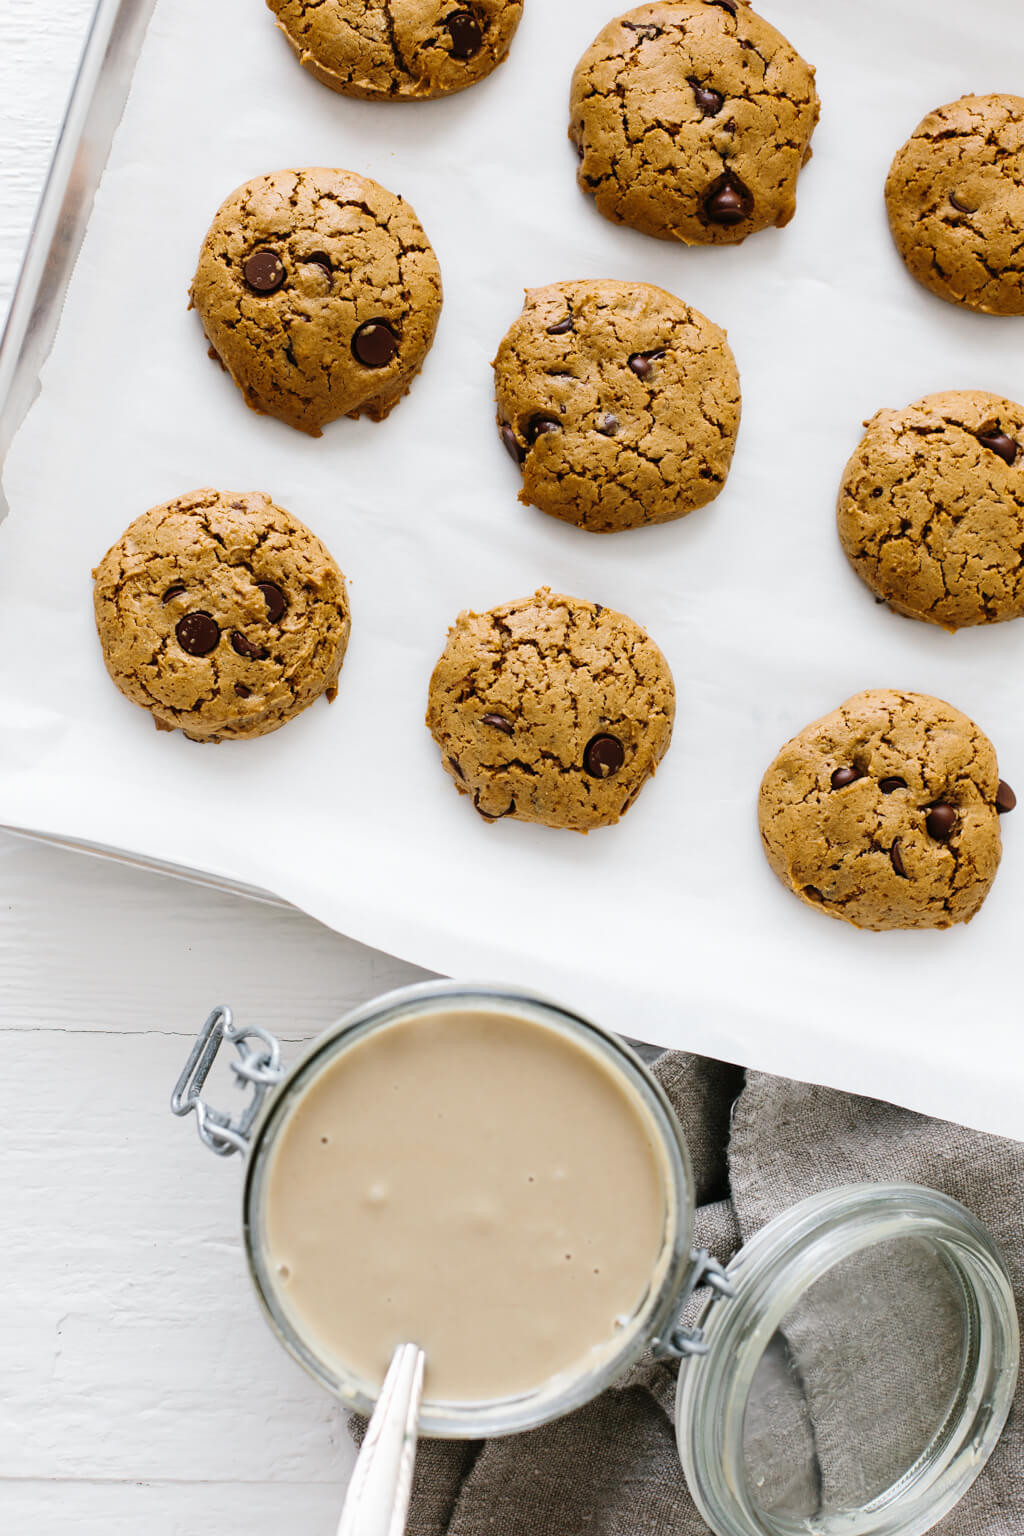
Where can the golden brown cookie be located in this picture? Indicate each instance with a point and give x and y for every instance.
(955, 196)
(320, 294)
(222, 615)
(931, 508)
(620, 403)
(886, 813)
(551, 710)
(403, 50)
(692, 120)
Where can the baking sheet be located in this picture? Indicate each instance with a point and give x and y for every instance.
(669, 926)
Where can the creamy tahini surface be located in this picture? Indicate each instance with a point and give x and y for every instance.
(473, 1182)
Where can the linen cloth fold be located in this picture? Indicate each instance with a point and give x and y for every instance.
(846, 1398)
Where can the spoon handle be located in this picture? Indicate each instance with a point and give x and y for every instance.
(378, 1497)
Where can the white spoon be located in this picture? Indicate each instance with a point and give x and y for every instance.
(377, 1501)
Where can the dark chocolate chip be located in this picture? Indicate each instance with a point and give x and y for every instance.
(274, 599)
(999, 443)
(844, 776)
(175, 591)
(560, 327)
(500, 724)
(608, 424)
(511, 442)
(890, 786)
(727, 201)
(896, 859)
(264, 271)
(603, 756)
(538, 425)
(580, 151)
(321, 259)
(197, 634)
(940, 821)
(813, 894)
(466, 34)
(959, 203)
(726, 5)
(708, 101)
(242, 691)
(642, 363)
(455, 766)
(247, 648)
(644, 30)
(374, 344)
(1005, 798)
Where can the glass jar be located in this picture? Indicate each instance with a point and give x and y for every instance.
(818, 1391)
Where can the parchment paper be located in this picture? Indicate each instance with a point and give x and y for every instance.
(671, 925)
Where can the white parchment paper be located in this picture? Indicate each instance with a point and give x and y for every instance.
(670, 926)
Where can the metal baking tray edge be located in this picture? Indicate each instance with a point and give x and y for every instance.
(112, 47)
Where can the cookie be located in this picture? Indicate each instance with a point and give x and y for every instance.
(399, 50)
(692, 120)
(551, 710)
(619, 402)
(931, 508)
(320, 294)
(222, 615)
(886, 813)
(955, 196)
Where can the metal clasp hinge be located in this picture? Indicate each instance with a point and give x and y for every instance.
(258, 1065)
(681, 1343)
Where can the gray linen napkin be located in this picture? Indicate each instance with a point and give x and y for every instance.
(612, 1469)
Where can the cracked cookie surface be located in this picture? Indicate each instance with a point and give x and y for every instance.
(885, 813)
(403, 50)
(320, 294)
(955, 198)
(551, 710)
(931, 508)
(222, 615)
(620, 403)
(692, 120)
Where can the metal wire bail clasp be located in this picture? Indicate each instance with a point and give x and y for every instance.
(681, 1343)
(258, 1065)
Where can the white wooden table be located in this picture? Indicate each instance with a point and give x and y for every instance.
(140, 1390)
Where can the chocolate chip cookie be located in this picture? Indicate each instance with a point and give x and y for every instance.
(402, 50)
(931, 508)
(551, 710)
(222, 615)
(955, 196)
(320, 294)
(619, 402)
(886, 813)
(692, 120)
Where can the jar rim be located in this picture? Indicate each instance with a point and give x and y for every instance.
(769, 1275)
(564, 1394)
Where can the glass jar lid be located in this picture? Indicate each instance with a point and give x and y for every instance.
(859, 1376)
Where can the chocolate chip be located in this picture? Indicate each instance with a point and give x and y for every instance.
(538, 425)
(455, 766)
(844, 776)
(708, 100)
(511, 442)
(560, 327)
(812, 893)
(1005, 798)
(726, 5)
(608, 424)
(603, 756)
(247, 648)
(264, 271)
(727, 201)
(466, 34)
(961, 204)
(175, 591)
(999, 443)
(321, 259)
(642, 363)
(274, 599)
(500, 724)
(896, 859)
(580, 151)
(890, 786)
(644, 30)
(242, 691)
(940, 821)
(197, 634)
(374, 344)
